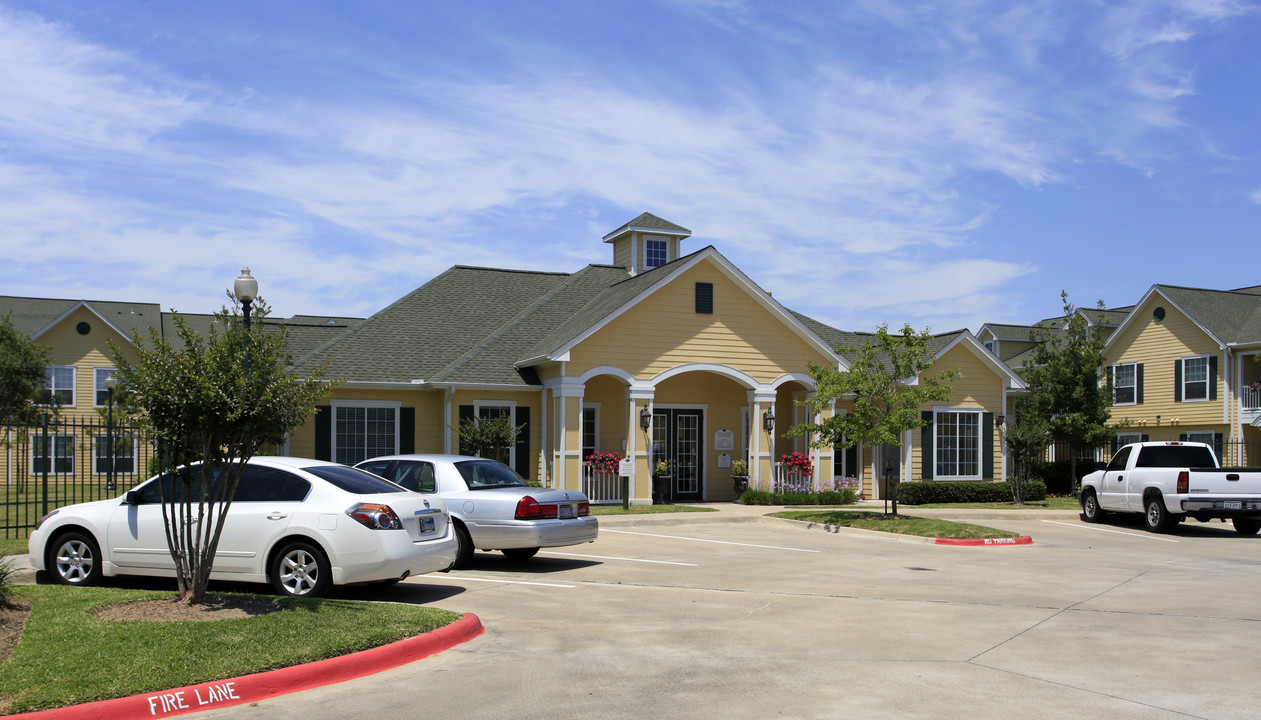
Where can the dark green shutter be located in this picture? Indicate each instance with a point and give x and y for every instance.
(1212, 377)
(407, 430)
(1182, 437)
(926, 459)
(323, 432)
(1116, 444)
(1138, 383)
(467, 412)
(705, 298)
(524, 462)
(1217, 446)
(1111, 377)
(987, 444)
(1177, 380)
(1145, 438)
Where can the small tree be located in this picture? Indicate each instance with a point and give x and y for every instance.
(210, 410)
(1027, 435)
(488, 437)
(885, 405)
(22, 373)
(1063, 375)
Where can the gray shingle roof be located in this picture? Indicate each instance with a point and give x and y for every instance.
(648, 221)
(31, 315)
(1234, 317)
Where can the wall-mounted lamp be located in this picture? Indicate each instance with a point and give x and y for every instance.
(645, 418)
(1157, 421)
(768, 421)
(999, 420)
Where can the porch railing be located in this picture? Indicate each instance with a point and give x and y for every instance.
(1249, 398)
(790, 479)
(601, 488)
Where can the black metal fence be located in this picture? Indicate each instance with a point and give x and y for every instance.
(62, 461)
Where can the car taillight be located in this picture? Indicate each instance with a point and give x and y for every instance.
(375, 517)
(529, 509)
(584, 508)
(1184, 482)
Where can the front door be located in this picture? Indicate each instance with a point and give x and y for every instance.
(677, 438)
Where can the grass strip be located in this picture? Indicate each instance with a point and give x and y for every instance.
(68, 657)
(1055, 503)
(646, 509)
(903, 524)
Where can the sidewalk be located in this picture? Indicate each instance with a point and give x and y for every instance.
(733, 512)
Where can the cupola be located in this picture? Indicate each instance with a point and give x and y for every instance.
(646, 243)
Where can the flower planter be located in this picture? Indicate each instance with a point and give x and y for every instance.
(739, 483)
(661, 489)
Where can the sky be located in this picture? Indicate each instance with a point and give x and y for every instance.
(943, 164)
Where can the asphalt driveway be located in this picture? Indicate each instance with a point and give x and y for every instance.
(735, 617)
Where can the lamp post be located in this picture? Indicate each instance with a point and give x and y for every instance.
(111, 382)
(246, 290)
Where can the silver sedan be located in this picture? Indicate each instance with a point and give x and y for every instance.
(491, 507)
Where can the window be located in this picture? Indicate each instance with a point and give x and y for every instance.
(590, 430)
(1124, 384)
(101, 394)
(656, 253)
(1119, 460)
(58, 459)
(58, 385)
(490, 411)
(1201, 436)
(124, 455)
(1195, 378)
(958, 453)
(364, 431)
(989, 345)
(416, 476)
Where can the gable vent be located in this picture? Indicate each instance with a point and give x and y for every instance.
(705, 298)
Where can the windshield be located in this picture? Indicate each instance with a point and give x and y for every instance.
(484, 474)
(354, 481)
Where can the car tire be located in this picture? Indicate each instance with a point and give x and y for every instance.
(464, 548)
(75, 559)
(1090, 510)
(520, 553)
(1156, 516)
(1247, 526)
(301, 570)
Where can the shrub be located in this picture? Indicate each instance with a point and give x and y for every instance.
(757, 497)
(927, 491)
(7, 568)
(827, 497)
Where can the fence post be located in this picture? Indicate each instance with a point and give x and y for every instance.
(48, 455)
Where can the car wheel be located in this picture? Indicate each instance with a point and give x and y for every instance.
(1090, 510)
(75, 559)
(464, 548)
(520, 553)
(301, 570)
(1157, 516)
(1247, 526)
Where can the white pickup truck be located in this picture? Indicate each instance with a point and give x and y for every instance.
(1170, 481)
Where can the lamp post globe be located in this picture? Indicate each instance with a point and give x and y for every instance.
(246, 290)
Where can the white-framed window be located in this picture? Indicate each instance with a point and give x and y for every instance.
(491, 409)
(1125, 383)
(989, 345)
(57, 459)
(656, 253)
(100, 395)
(590, 429)
(59, 385)
(124, 455)
(1201, 436)
(364, 429)
(1125, 438)
(1195, 378)
(958, 444)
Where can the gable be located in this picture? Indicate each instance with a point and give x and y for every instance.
(664, 330)
(1143, 337)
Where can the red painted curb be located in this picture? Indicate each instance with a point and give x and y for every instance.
(260, 686)
(981, 542)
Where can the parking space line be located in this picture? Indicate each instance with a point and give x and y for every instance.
(717, 542)
(505, 582)
(1149, 536)
(606, 557)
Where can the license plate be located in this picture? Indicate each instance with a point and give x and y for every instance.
(565, 511)
(1233, 505)
(426, 525)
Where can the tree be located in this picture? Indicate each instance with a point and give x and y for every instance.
(22, 373)
(210, 411)
(480, 436)
(886, 405)
(1027, 435)
(1063, 375)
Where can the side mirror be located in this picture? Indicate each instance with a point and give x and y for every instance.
(1101, 465)
(131, 498)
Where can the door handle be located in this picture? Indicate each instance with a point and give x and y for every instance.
(276, 516)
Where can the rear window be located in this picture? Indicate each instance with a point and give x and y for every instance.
(1175, 456)
(352, 480)
(485, 474)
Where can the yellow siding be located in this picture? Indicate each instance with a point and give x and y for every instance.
(977, 386)
(85, 353)
(622, 252)
(664, 331)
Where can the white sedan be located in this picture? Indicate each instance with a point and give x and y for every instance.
(301, 525)
(491, 507)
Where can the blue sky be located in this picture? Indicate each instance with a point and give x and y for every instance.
(940, 164)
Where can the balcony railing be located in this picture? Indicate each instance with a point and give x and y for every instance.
(1250, 398)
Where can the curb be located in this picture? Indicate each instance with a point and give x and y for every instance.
(983, 542)
(260, 686)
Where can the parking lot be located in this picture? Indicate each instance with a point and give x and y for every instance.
(740, 617)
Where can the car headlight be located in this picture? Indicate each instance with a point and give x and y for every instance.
(43, 519)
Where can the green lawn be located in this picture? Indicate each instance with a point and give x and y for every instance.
(68, 657)
(1056, 503)
(922, 527)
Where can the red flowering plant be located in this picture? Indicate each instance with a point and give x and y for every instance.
(798, 462)
(604, 463)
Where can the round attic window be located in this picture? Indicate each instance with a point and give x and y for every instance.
(83, 328)
(1159, 313)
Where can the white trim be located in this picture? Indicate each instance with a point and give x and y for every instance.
(980, 443)
(1012, 380)
(98, 388)
(337, 403)
(53, 390)
(1116, 365)
(1208, 378)
(1129, 318)
(743, 378)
